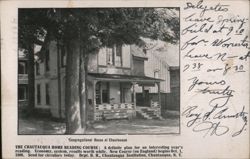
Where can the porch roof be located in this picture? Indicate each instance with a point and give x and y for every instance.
(125, 78)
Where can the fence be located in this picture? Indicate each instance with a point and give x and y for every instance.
(169, 101)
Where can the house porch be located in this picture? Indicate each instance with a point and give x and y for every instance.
(114, 96)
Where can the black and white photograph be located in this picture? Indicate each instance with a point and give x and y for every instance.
(98, 71)
(125, 79)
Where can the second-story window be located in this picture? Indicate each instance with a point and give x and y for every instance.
(118, 57)
(47, 60)
(22, 69)
(110, 56)
(114, 55)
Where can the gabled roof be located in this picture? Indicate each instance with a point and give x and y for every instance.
(137, 52)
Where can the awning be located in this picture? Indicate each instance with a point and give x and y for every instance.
(122, 78)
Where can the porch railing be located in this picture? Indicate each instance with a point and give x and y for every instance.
(22, 103)
(115, 106)
(112, 111)
(23, 78)
(156, 107)
(155, 104)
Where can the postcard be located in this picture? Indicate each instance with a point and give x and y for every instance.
(125, 79)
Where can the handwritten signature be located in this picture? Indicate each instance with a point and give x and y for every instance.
(211, 122)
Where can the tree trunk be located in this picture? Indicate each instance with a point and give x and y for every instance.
(59, 80)
(72, 98)
(83, 86)
(31, 80)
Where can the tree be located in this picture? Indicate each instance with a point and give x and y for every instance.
(85, 31)
(29, 32)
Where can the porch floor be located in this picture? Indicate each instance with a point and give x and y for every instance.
(143, 107)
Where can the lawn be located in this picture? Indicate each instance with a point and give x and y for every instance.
(46, 125)
(135, 126)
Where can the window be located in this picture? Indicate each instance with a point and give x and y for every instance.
(22, 92)
(37, 69)
(102, 92)
(22, 68)
(38, 93)
(125, 95)
(114, 55)
(156, 74)
(118, 57)
(63, 56)
(105, 92)
(47, 94)
(47, 60)
(110, 56)
(98, 93)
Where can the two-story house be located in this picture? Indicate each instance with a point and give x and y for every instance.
(113, 75)
(22, 80)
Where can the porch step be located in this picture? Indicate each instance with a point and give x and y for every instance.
(142, 115)
(148, 114)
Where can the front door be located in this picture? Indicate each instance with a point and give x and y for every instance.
(146, 98)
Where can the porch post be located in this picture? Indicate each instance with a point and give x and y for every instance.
(159, 95)
(94, 98)
(143, 95)
(134, 95)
